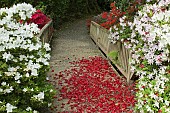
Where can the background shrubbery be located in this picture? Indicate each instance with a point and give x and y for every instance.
(59, 10)
(121, 4)
(64, 10)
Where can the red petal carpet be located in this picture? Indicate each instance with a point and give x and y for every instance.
(91, 86)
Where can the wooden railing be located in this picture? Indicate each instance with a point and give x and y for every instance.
(46, 32)
(100, 36)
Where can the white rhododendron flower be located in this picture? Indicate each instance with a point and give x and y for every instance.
(35, 111)
(40, 96)
(9, 108)
(24, 61)
(28, 109)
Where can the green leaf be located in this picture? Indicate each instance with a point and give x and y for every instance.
(3, 65)
(113, 55)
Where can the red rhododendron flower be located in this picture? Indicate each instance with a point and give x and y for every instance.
(112, 5)
(38, 11)
(160, 111)
(143, 87)
(104, 15)
(21, 21)
(114, 21)
(109, 17)
(142, 65)
(169, 71)
(146, 33)
(39, 18)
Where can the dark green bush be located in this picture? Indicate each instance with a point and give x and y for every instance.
(63, 10)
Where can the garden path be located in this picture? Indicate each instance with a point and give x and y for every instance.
(70, 43)
(89, 84)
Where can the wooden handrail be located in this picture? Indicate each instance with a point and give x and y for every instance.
(46, 34)
(100, 36)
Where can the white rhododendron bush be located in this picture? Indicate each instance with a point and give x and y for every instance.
(147, 36)
(24, 62)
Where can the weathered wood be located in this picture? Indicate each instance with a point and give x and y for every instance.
(100, 35)
(46, 32)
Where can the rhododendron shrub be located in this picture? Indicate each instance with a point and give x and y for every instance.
(111, 18)
(147, 36)
(23, 62)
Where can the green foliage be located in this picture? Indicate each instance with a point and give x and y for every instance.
(57, 10)
(126, 32)
(64, 10)
(104, 4)
(148, 92)
(113, 55)
(121, 4)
